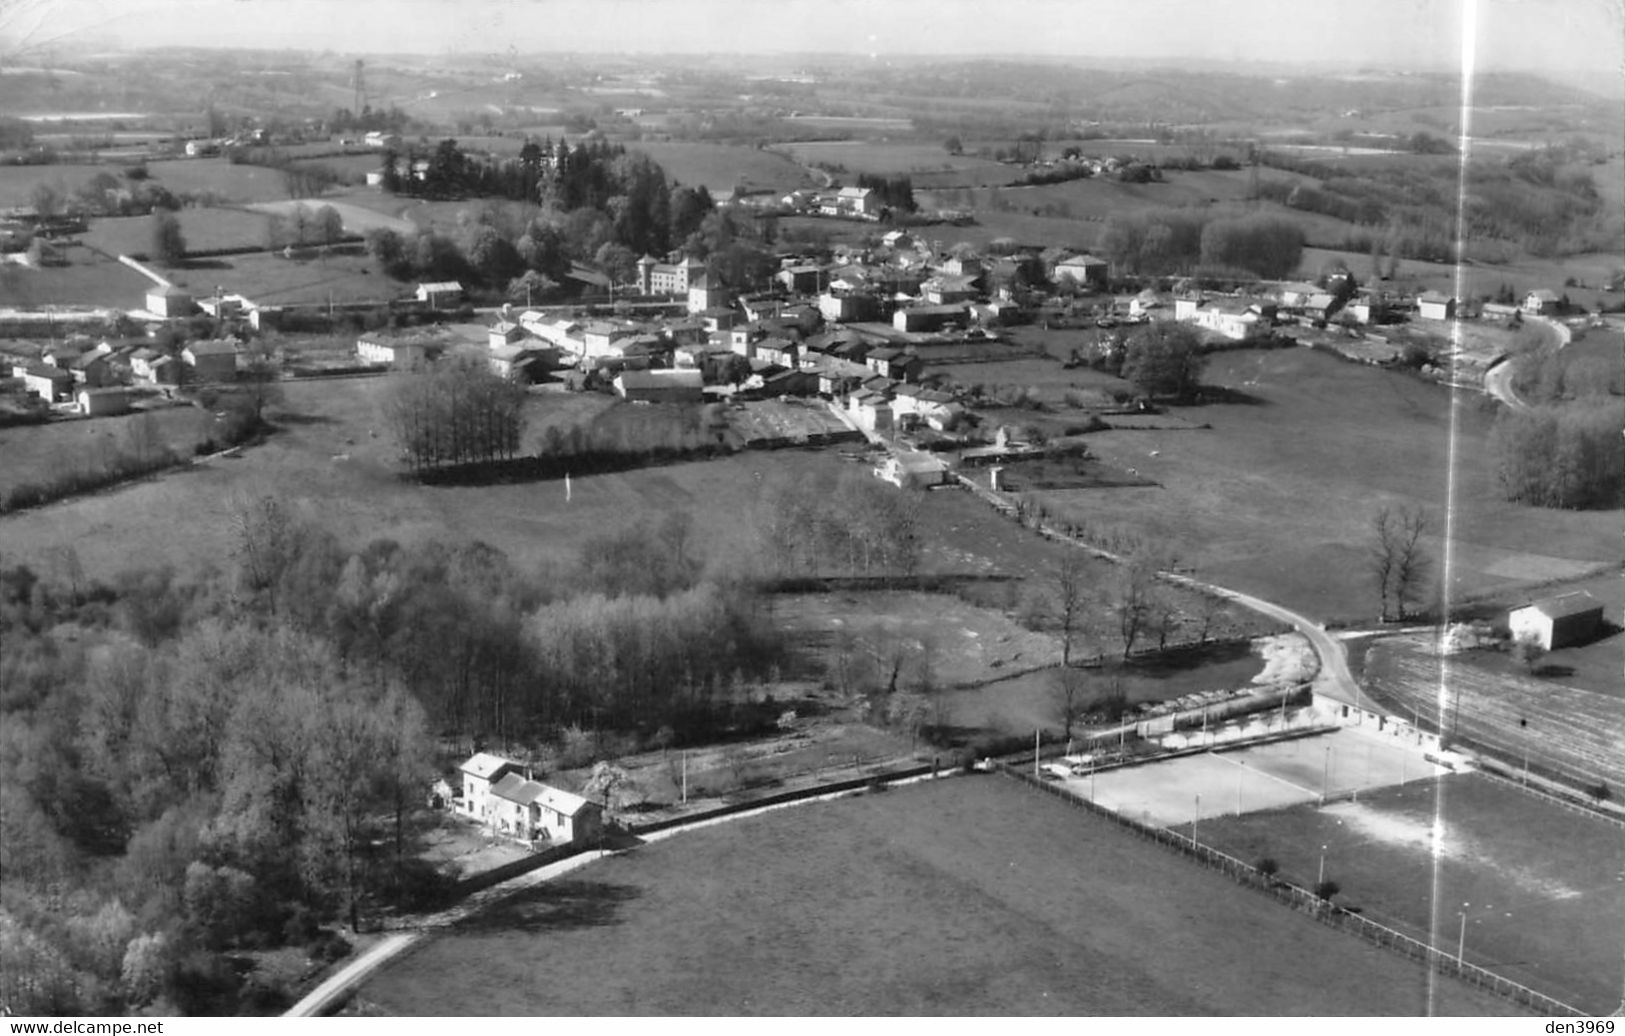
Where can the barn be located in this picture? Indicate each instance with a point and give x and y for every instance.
(1557, 622)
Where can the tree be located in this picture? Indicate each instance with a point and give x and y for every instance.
(46, 200)
(1527, 652)
(1398, 563)
(1133, 603)
(168, 243)
(388, 250)
(327, 225)
(953, 146)
(1269, 246)
(1164, 359)
(1070, 687)
(1069, 601)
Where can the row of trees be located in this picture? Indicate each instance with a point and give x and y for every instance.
(1175, 242)
(454, 414)
(853, 525)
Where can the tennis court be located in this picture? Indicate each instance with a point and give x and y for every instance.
(1246, 780)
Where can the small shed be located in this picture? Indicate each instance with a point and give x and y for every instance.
(101, 402)
(440, 294)
(913, 470)
(1557, 622)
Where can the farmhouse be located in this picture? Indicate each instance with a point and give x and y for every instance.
(46, 382)
(404, 350)
(166, 300)
(929, 318)
(514, 362)
(503, 332)
(91, 369)
(1541, 301)
(858, 201)
(533, 811)
(1431, 305)
(479, 773)
(440, 294)
(802, 279)
(99, 402)
(895, 364)
(870, 409)
(1085, 270)
(1557, 622)
(211, 361)
(662, 386)
(913, 470)
(948, 288)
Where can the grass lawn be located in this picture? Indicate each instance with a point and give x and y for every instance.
(1278, 497)
(34, 452)
(927, 165)
(971, 896)
(270, 279)
(722, 167)
(183, 518)
(87, 280)
(204, 230)
(17, 182)
(1546, 918)
(233, 183)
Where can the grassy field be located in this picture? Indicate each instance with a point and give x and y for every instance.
(35, 452)
(204, 230)
(722, 167)
(1546, 918)
(87, 280)
(234, 183)
(965, 897)
(270, 279)
(358, 219)
(1557, 726)
(327, 465)
(927, 165)
(17, 182)
(1277, 498)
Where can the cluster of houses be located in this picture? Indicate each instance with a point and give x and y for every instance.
(96, 376)
(499, 794)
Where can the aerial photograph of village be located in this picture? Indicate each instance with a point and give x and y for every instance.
(714, 508)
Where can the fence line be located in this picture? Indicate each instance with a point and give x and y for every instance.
(1492, 768)
(1305, 901)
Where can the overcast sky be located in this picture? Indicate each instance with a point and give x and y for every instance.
(1548, 35)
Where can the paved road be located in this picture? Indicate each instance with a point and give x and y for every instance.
(1498, 379)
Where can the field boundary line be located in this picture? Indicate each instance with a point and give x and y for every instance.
(1305, 901)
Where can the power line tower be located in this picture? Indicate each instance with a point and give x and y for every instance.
(360, 88)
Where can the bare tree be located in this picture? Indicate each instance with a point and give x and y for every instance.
(1412, 564)
(1399, 564)
(1133, 605)
(1069, 601)
(1070, 687)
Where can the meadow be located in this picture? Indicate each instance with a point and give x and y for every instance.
(964, 897)
(1546, 919)
(88, 280)
(204, 229)
(270, 279)
(722, 167)
(34, 453)
(1277, 498)
(927, 165)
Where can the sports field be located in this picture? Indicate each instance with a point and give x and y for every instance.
(965, 897)
(1528, 889)
(1263, 777)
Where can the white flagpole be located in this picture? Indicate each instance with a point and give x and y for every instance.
(566, 487)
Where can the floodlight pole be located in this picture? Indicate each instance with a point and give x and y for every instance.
(1461, 940)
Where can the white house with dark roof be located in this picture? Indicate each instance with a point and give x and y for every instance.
(533, 811)
(1557, 622)
(480, 771)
